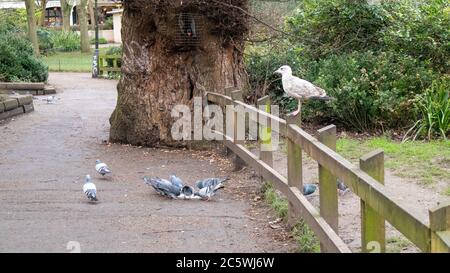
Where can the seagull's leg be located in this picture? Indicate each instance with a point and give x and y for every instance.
(298, 109)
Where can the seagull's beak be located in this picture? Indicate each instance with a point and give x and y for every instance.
(277, 72)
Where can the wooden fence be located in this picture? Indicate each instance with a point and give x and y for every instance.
(104, 67)
(366, 181)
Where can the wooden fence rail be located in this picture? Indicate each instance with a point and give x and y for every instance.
(366, 181)
(104, 67)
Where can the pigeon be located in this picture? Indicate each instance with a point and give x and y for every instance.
(163, 187)
(309, 189)
(206, 193)
(101, 167)
(343, 189)
(176, 181)
(50, 99)
(299, 88)
(210, 182)
(89, 189)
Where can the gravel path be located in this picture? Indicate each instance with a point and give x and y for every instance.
(45, 154)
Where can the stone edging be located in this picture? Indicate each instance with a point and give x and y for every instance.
(35, 88)
(16, 105)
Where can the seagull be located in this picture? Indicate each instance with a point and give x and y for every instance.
(89, 189)
(101, 167)
(299, 88)
(163, 187)
(309, 189)
(210, 182)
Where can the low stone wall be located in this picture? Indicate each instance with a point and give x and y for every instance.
(15, 105)
(27, 88)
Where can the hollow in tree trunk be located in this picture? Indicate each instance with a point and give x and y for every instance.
(173, 52)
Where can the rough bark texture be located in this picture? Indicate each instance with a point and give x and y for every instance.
(66, 9)
(159, 71)
(31, 19)
(84, 34)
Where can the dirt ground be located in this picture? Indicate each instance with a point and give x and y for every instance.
(44, 156)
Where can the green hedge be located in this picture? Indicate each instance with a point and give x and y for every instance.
(374, 59)
(17, 60)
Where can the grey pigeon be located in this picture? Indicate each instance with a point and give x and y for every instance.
(207, 192)
(101, 168)
(309, 189)
(343, 189)
(210, 182)
(89, 189)
(163, 187)
(176, 181)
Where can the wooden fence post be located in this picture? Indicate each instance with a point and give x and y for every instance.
(440, 228)
(328, 184)
(237, 118)
(265, 133)
(295, 172)
(373, 230)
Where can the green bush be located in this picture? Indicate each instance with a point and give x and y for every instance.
(45, 40)
(101, 41)
(65, 41)
(433, 111)
(374, 59)
(18, 62)
(108, 24)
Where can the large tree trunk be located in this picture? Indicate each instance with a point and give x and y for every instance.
(164, 65)
(66, 10)
(42, 7)
(91, 12)
(31, 19)
(84, 32)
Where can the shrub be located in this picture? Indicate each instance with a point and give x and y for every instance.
(101, 41)
(65, 41)
(45, 39)
(374, 59)
(108, 24)
(433, 111)
(18, 62)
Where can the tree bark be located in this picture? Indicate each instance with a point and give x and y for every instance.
(31, 19)
(91, 12)
(66, 10)
(42, 7)
(84, 32)
(159, 71)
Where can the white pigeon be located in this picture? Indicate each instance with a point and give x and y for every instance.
(50, 99)
(299, 88)
(89, 189)
(101, 167)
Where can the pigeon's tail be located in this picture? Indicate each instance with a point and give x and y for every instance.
(92, 196)
(104, 170)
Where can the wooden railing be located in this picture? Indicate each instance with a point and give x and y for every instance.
(104, 67)
(366, 181)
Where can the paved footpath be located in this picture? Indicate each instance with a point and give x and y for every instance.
(44, 156)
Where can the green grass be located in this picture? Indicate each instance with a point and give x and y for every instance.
(426, 162)
(396, 244)
(307, 241)
(70, 61)
(447, 191)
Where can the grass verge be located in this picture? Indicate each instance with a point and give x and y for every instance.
(426, 162)
(307, 241)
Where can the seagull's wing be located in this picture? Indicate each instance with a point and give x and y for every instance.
(300, 88)
(90, 190)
